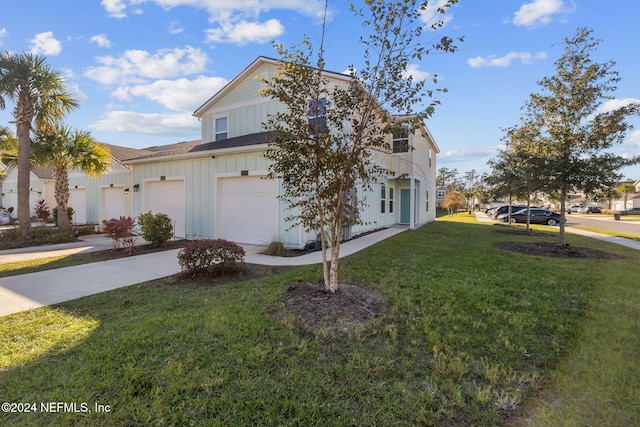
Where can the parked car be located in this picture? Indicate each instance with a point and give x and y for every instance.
(630, 211)
(505, 210)
(573, 208)
(590, 209)
(538, 216)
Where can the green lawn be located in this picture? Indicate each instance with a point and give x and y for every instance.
(470, 335)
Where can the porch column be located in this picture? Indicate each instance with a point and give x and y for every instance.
(412, 203)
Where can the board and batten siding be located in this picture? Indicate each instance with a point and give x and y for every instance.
(244, 107)
(118, 176)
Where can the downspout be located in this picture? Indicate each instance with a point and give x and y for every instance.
(412, 188)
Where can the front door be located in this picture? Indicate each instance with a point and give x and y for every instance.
(405, 206)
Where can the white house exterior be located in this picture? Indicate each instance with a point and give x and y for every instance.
(218, 187)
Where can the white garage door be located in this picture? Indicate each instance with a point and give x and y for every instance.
(11, 200)
(78, 201)
(247, 210)
(111, 202)
(168, 197)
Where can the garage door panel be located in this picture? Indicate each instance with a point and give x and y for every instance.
(78, 201)
(247, 211)
(112, 202)
(168, 197)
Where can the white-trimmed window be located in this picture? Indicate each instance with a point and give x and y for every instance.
(441, 194)
(401, 139)
(317, 115)
(390, 200)
(383, 198)
(221, 130)
(430, 156)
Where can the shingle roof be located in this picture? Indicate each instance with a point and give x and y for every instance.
(239, 141)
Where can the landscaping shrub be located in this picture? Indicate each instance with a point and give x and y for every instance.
(211, 257)
(42, 211)
(121, 230)
(156, 229)
(13, 238)
(70, 213)
(275, 249)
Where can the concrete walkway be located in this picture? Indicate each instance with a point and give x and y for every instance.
(28, 291)
(630, 243)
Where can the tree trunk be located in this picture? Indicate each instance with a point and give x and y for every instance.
(24, 172)
(335, 260)
(62, 198)
(563, 215)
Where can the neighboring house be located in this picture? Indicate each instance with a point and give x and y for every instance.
(441, 193)
(218, 188)
(42, 185)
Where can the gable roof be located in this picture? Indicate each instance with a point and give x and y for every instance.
(247, 72)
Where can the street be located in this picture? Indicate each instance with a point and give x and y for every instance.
(605, 223)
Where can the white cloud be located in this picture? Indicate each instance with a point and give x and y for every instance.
(539, 12)
(137, 65)
(101, 40)
(466, 154)
(3, 33)
(232, 21)
(432, 14)
(175, 27)
(633, 140)
(45, 44)
(114, 8)
(413, 71)
(506, 60)
(614, 104)
(246, 32)
(176, 95)
(148, 124)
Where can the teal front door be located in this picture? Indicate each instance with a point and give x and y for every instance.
(405, 206)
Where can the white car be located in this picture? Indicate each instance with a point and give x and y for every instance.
(573, 208)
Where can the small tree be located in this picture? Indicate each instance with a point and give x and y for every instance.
(626, 189)
(575, 131)
(453, 201)
(322, 142)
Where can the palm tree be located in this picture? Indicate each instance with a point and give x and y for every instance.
(626, 189)
(41, 100)
(65, 150)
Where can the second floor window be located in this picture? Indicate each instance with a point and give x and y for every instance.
(383, 198)
(317, 118)
(222, 128)
(401, 140)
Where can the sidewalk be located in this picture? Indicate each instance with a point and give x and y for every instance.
(28, 291)
(633, 244)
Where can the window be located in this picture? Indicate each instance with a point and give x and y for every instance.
(383, 197)
(430, 155)
(221, 130)
(427, 199)
(441, 194)
(401, 140)
(390, 200)
(317, 112)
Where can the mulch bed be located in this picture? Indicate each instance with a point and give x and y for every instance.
(555, 250)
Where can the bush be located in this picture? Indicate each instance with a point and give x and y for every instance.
(275, 249)
(70, 213)
(13, 238)
(121, 229)
(42, 211)
(211, 257)
(157, 229)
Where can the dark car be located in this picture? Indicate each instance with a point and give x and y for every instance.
(630, 211)
(591, 209)
(505, 209)
(538, 216)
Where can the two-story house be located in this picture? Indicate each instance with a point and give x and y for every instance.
(218, 188)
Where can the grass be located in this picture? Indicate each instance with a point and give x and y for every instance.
(470, 335)
(610, 232)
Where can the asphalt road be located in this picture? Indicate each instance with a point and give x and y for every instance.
(605, 223)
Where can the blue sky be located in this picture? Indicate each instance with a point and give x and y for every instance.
(141, 67)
